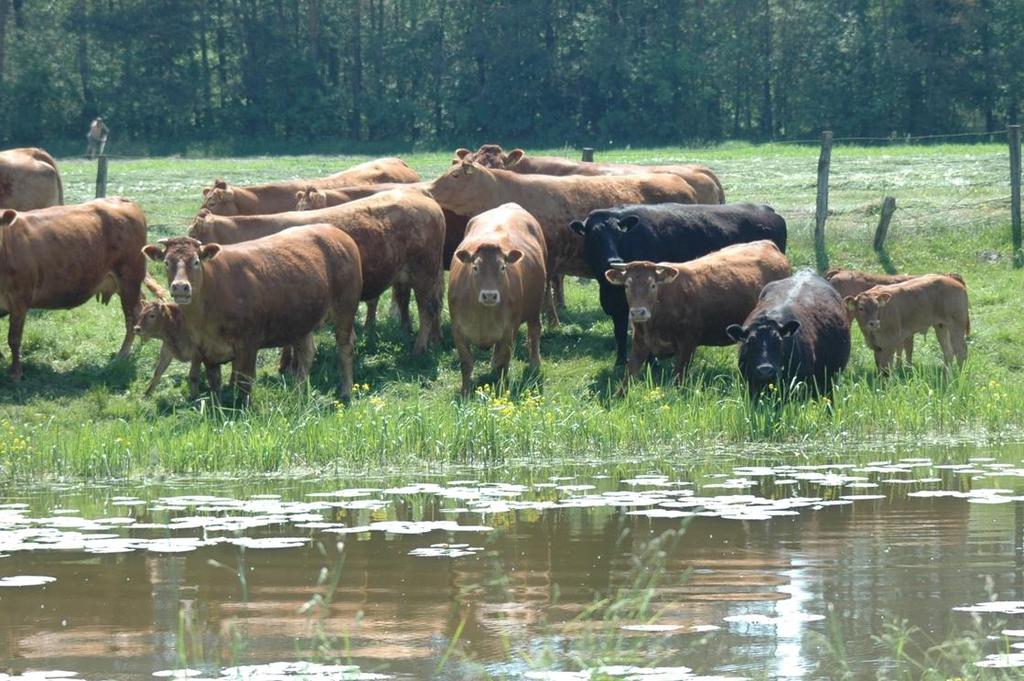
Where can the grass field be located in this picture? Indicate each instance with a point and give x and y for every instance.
(79, 412)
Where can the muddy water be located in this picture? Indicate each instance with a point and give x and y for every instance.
(778, 570)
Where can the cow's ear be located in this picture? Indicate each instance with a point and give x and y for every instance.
(206, 192)
(227, 194)
(851, 303)
(220, 184)
(8, 217)
(209, 251)
(615, 277)
(513, 256)
(461, 153)
(629, 222)
(665, 274)
(789, 328)
(578, 227)
(464, 256)
(154, 252)
(300, 195)
(736, 332)
(514, 157)
(883, 298)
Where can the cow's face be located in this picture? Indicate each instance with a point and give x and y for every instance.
(154, 318)
(183, 257)
(601, 234)
(310, 198)
(462, 186)
(641, 281)
(867, 308)
(488, 270)
(761, 348)
(220, 199)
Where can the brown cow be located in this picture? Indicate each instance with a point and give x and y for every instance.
(890, 314)
(854, 282)
(676, 307)
(400, 233)
(29, 179)
(59, 257)
(705, 183)
(470, 189)
(497, 283)
(278, 197)
(271, 292)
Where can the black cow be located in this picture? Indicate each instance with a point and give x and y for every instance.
(667, 232)
(799, 331)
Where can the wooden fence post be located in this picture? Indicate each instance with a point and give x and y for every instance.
(101, 177)
(1013, 135)
(821, 209)
(888, 208)
(588, 154)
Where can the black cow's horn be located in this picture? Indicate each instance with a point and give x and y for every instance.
(163, 242)
(617, 265)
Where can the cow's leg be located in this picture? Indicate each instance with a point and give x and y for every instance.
(370, 325)
(345, 341)
(501, 355)
(621, 325)
(883, 360)
(638, 355)
(942, 333)
(908, 351)
(558, 289)
(533, 340)
(400, 294)
(684, 354)
(428, 304)
(958, 337)
(305, 351)
(465, 359)
(193, 379)
(549, 303)
(286, 365)
(161, 366)
(14, 331)
(244, 368)
(130, 292)
(213, 378)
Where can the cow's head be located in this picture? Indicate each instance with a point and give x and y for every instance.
(201, 224)
(7, 217)
(490, 156)
(762, 348)
(867, 308)
(183, 257)
(220, 199)
(310, 198)
(601, 233)
(488, 270)
(155, 319)
(641, 280)
(464, 188)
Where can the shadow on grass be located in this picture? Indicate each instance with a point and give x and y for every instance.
(42, 380)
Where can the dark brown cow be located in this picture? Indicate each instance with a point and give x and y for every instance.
(854, 282)
(676, 307)
(705, 183)
(497, 283)
(60, 257)
(890, 314)
(271, 292)
(400, 233)
(29, 180)
(278, 197)
(470, 189)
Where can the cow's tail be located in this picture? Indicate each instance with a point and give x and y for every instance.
(156, 289)
(60, 188)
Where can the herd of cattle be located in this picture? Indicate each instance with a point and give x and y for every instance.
(264, 266)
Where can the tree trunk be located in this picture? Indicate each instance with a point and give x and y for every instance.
(222, 74)
(5, 7)
(84, 70)
(313, 24)
(355, 113)
(767, 124)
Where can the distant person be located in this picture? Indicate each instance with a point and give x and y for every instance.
(97, 138)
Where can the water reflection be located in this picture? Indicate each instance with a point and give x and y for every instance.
(766, 553)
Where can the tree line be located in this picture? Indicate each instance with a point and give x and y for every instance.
(269, 75)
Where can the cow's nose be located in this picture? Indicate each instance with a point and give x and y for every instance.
(765, 372)
(136, 329)
(639, 314)
(490, 297)
(874, 324)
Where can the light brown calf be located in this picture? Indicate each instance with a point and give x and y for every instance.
(272, 292)
(400, 234)
(705, 183)
(60, 257)
(676, 307)
(29, 179)
(890, 314)
(278, 197)
(497, 283)
(854, 282)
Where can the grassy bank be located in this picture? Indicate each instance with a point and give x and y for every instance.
(78, 412)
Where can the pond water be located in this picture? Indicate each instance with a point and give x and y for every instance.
(783, 567)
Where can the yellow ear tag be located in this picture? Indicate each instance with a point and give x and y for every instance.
(469, 170)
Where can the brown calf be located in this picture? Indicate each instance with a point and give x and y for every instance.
(29, 179)
(272, 292)
(60, 257)
(890, 314)
(676, 307)
(497, 283)
(705, 183)
(400, 233)
(278, 197)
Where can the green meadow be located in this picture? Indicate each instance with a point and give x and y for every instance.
(78, 412)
